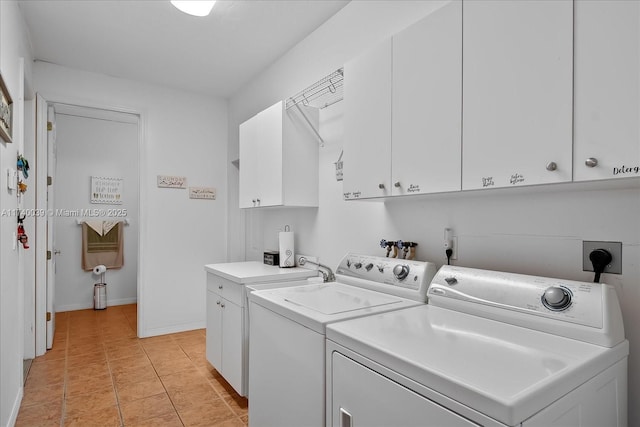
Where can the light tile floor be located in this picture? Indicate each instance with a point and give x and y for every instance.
(98, 373)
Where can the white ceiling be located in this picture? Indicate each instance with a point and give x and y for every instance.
(151, 41)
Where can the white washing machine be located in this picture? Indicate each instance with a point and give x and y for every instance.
(489, 349)
(287, 332)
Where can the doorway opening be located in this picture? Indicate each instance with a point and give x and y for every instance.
(79, 145)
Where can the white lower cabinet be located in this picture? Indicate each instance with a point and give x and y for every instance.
(607, 90)
(225, 326)
(227, 343)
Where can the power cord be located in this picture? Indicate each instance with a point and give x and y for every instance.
(599, 258)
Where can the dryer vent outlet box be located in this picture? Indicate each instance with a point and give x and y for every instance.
(614, 248)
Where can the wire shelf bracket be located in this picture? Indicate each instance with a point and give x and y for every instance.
(323, 93)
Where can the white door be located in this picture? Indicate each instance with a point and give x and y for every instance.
(51, 251)
(269, 150)
(427, 104)
(45, 323)
(361, 397)
(607, 89)
(248, 175)
(517, 93)
(367, 124)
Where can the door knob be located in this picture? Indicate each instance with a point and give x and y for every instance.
(591, 162)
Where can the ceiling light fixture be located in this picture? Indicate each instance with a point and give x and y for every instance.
(194, 7)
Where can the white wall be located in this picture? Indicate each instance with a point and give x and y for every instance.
(14, 45)
(533, 231)
(99, 145)
(185, 134)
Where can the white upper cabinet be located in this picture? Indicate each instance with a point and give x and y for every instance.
(607, 90)
(367, 124)
(279, 158)
(403, 111)
(517, 93)
(427, 104)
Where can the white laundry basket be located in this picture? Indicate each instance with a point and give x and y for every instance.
(99, 296)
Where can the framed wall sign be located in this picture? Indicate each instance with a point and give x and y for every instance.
(6, 113)
(106, 190)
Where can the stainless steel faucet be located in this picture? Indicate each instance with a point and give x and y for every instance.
(328, 275)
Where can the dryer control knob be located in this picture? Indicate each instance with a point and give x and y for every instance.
(556, 298)
(401, 271)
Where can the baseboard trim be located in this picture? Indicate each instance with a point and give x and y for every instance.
(16, 408)
(152, 332)
(110, 302)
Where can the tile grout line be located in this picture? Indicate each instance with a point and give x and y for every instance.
(113, 380)
(66, 372)
(161, 382)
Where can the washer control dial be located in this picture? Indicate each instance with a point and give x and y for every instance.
(556, 298)
(401, 271)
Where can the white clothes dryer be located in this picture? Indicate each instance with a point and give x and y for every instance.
(287, 332)
(489, 349)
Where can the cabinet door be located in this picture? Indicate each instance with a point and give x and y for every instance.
(214, 330)
(517, 92)
(427, 104)
(355, 387)
(367, 124)
(232, 345)
(249, 163)
(269, 152)
(607, 90)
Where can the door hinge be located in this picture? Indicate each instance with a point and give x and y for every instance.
(48, 316)
(49, 126)
(48, 255)
(49, 180)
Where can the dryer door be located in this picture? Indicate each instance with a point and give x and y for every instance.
(362, 397)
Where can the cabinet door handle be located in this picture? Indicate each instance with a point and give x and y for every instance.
(345, 418)
(258, 200)
(397, 184)
(219, 286)
(381, 186)
(591, 162)
(552, 166)
(222, 305)
(218, 302)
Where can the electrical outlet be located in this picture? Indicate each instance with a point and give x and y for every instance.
(454, 255)
(615, 248)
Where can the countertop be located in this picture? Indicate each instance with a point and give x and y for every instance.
(254, 271)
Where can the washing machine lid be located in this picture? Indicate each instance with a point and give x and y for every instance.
(504, 371)
(317, 305)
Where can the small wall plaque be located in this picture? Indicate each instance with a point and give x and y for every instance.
(208, 193)
(166, 181)
(6, 113)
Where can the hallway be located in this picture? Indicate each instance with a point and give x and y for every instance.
(99, 374)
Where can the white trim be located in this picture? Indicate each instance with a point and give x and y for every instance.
(110, 303)
(41, 226)
(13, 416)
(56, 98)
(152, 332)
(142, 225)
